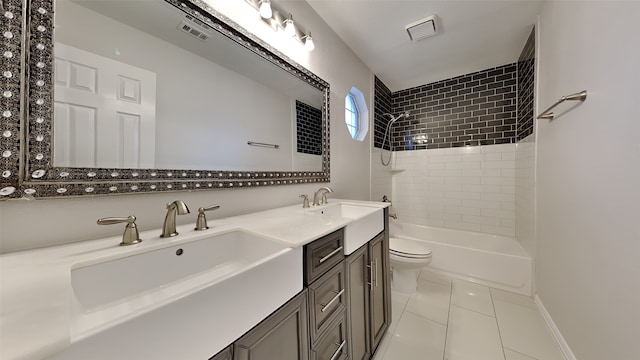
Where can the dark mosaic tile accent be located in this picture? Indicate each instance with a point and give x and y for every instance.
(308, 129)
(382, 104)
(472, 109)
(526, 88)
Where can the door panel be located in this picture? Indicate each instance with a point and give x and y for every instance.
(113, 92)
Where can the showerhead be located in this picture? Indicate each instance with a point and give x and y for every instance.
(398, 117)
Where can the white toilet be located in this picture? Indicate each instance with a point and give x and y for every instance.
(407, 257)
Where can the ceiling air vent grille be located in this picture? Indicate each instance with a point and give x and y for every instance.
(423, 28)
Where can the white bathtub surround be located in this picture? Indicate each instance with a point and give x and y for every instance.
(525, 194)
(381, 179)
(455, 319)
(466, 188)
(491, 260)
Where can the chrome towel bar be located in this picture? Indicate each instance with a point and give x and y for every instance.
(253, 143)
(549, 115)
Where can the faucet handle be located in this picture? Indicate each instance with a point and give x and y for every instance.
(201, 221)
(130, 235)
(305, 200)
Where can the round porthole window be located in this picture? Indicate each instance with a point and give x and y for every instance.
(356, 114)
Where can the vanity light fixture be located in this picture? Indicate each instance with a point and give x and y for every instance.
(275, 18)
(289, 26)
(265, 9)
(308, 42)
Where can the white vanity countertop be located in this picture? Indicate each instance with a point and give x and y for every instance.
(36, 293)
(295, 225)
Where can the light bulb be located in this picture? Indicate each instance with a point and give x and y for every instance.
(308, 43)
(289, 27)
(265, 9)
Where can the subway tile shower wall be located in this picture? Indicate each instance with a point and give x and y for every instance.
(308, 129)
(526, 81)
(473, 109)
(383, 104)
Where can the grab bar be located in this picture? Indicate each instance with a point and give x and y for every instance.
(548, 115)
(253, 143)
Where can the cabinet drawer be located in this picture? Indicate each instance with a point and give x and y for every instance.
(322, 254)
(327, 299)
(333, 345)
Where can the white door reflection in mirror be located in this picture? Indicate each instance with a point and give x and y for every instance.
(104, 111)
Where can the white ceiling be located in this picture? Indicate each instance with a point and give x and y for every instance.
(473, 35)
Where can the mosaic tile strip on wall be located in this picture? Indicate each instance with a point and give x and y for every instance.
(472, 109)
(526, 88)
(308, 129)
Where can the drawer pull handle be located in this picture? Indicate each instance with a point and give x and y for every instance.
(325, 307)
(370, 282)
(330, 254)
(344, 342)
(375, 272)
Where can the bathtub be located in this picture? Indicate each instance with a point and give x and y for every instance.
(492, 260)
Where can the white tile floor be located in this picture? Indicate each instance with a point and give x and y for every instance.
(458, 320)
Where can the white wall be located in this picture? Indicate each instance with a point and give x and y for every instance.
(29, 224)
(588, 173)
(466, 188)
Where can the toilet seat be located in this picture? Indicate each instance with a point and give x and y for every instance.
(408, 249)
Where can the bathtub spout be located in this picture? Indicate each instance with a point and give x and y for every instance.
(393, 216)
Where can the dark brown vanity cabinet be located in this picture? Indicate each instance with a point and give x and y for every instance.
(369, 296)
(283, 335)
(225, 354)
(325, 279)
(342, 313)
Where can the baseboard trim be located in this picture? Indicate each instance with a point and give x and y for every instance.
(555, 332)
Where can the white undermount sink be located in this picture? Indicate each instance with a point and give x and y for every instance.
(345, 210)
(101, 284)
(222, 275)
(367, 222)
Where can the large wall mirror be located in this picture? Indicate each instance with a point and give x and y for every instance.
(162, 95)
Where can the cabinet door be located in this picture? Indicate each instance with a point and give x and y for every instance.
(283, 335)
(358, 304)
(380, 300)
(223, 355)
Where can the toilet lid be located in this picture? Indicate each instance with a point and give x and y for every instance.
(408, 248)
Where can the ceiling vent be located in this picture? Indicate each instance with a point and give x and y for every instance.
(192, 27)
(423, 28)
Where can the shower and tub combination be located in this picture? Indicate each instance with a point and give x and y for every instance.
(492, 260)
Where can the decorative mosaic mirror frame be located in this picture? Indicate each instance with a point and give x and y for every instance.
(27, 170)
(11, 93)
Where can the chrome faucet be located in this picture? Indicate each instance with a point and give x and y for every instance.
(201, 221)
(130, 235)
(169, 227)
(322, 191)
